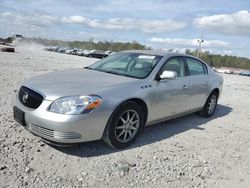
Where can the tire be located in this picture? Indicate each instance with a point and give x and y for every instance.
(210, 105)
(122, 121)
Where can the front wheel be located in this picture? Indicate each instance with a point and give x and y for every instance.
(124, 126)
(210, 105)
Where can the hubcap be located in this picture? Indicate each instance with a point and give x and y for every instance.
(127, 126)
(212, 104)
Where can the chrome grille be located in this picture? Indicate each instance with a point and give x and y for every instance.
(48, 133)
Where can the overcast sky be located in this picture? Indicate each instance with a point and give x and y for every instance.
(224, 24)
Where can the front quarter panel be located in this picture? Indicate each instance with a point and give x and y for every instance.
(114, 97)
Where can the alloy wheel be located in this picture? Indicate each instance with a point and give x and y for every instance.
(212, 104)
(127, 126)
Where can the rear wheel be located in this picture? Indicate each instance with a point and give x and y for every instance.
(124, 126)
(210, 105)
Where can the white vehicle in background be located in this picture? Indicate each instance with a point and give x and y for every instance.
(79, 52)
(88, 52)
(225, 71)
(109, 52)
(69, 51)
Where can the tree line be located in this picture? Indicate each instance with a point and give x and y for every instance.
(217, 60)
(90, 44)
(214, 60)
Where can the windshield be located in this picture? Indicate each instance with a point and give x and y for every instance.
(137, 65)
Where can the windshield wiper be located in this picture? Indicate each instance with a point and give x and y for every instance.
(108, 71)
(88, 68)
(112, 72)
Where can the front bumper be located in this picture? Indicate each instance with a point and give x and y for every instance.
(61, 128)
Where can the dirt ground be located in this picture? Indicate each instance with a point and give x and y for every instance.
(186, 152)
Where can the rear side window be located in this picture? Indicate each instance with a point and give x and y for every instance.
(195, 67)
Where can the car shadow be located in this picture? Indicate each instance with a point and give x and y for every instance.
(151, 134)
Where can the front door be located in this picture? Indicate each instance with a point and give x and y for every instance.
(171, 95)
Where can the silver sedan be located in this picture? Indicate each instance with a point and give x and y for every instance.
(116, 97)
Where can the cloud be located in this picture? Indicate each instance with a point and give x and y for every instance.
(191, 42)
(28, 19)
(232, 24)
(141, 25)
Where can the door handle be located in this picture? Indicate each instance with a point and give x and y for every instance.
(184, 87)
(205, 84)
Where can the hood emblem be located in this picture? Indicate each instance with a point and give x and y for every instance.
(25, 97)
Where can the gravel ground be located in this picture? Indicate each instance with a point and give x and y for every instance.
(185, 152)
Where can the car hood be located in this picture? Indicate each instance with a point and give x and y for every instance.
(74, 82)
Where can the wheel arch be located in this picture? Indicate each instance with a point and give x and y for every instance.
(139, 101)
(217, 91)
(143, 105)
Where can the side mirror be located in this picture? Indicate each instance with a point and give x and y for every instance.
(168, 75)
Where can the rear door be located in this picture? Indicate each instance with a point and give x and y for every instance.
(198, 82)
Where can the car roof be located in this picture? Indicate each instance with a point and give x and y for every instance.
(158, 52)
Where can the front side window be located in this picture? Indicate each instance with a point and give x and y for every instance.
(195, 67)
(129, 64)
(175, 64)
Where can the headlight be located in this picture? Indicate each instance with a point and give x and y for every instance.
(75, 104)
